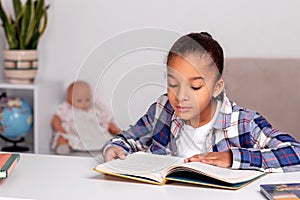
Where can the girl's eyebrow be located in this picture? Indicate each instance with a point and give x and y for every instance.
(190, 79)
(170, 75)
(196, 78)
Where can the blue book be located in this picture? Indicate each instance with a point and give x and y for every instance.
(282, 191)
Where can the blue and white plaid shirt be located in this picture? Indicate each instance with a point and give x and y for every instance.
(251, 139)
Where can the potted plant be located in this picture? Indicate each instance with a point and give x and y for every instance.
(23, 31)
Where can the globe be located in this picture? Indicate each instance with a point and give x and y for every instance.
(15, 117)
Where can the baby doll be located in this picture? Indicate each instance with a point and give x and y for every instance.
(79, 123)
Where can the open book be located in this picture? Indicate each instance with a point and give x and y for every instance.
(158, 169)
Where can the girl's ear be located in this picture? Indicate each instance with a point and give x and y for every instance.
(219, 86)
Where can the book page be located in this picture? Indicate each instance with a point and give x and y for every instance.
(141, 164)
(224, 174)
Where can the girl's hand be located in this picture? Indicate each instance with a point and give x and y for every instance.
(220, 159)
(113, 153)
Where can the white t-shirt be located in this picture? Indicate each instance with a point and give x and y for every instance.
(191, 141)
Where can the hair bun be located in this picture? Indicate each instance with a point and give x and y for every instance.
(206, 34)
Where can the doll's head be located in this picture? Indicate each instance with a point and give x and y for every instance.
(79, 95)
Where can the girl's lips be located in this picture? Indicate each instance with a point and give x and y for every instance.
(183, 108)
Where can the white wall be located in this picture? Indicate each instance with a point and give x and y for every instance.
(78, 30)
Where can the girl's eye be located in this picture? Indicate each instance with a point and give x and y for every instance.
(87, 100)
(196, 88)
(79, 100)
(172, 85)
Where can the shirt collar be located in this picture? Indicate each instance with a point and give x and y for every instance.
(224, 114)
(176, 124)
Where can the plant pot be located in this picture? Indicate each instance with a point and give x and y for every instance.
(20, 66)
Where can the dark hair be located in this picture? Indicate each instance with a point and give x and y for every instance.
(199, 43)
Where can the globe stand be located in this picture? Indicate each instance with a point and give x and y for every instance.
(14, 148)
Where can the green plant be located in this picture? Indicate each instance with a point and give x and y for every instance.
(24, 30)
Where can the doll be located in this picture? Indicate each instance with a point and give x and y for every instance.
(79, 123)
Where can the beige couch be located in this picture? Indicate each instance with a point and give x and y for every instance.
(269, 86)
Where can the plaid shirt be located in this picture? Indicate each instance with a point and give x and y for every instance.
(251, 139)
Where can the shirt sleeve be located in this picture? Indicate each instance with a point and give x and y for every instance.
(274, 151)
(138, 137)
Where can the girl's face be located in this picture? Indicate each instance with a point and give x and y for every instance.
(192, 83)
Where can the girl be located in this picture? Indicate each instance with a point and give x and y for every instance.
(196, 120)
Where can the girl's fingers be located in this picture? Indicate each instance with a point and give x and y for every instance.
(108, 157)
(113, 153)
(195, 158)
(211, 162)
(220, 159)
(121, 154)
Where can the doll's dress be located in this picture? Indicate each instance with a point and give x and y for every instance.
(85, 130)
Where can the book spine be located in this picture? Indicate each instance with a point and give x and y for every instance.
(8, 163)
(267, 195)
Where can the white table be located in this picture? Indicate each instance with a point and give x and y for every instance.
(64, 177)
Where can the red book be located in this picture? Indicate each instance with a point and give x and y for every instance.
(8, 162)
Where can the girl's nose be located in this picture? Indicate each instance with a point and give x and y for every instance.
(182, 94)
